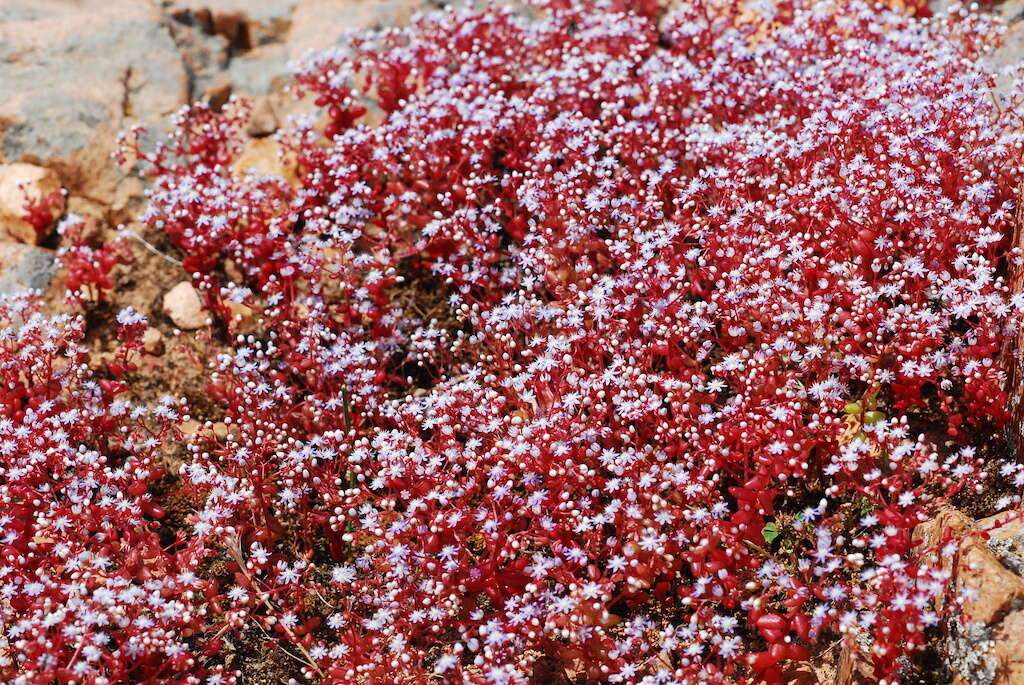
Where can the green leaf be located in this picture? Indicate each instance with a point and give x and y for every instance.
(770, 531)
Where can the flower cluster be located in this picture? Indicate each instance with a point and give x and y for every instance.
(87, 266)
(631, 343)
(90, 589)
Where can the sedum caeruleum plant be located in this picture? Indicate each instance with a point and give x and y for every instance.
(599, 335)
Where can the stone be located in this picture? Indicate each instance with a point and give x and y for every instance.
(189, 428)
(20, 183)
(77, 74)
(243, 318)
(984, 639)
(1002, 526)
(930, 533)
(263, 156)
(261, 71)
(992, 590)
(183, 306)
(239, 41)
(73, 75)
(153, 342)
(263, 12)
(232, 271)
(234, 28)
(25, 267)
(967, 651)
(318, 24)
(91, 212)
(218, 95)
(206, 55)
(1008, 650)
(262, 121)
(1011, 50)
(1005, 534)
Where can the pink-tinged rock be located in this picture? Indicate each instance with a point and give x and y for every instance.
(153, 342)
(1008, 650)
(23, 183)
(183, 307)
(319, 24)
(263, 120)
(989, 588)
(984, 640)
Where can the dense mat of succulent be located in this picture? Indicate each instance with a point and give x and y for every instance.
(604, 347)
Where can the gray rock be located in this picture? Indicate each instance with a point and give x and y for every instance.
(52, 125)
(74, 74)
(258, 71)
(1011, 52)
(24, 267)
(78, 73)
(21, 11)
(1010, 551)
(205, 56)
(969, 652)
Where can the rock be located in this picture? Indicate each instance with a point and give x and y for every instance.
(318, 24)
(1008, 650)
(78, 73)
(100, 360)
(183, 307)
(948, 524)
(984, 639)
(978, 654)
(263, 12)
(189, 428)
(217, 95)
(262, 121)
(73, 75)
(968, 652)
(948, 521)
(990, 588)
(92, 213)
(1002, 526)
(849, 663)
(261, 71)
(20, 183)
(153, 342)
(263, 156)
(234, 28)
(1006, 539)
(243, 319)
(24, 267)
(232, 271)
(987, 568)
(239, 41)
(204, 53)
(1011, 50)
